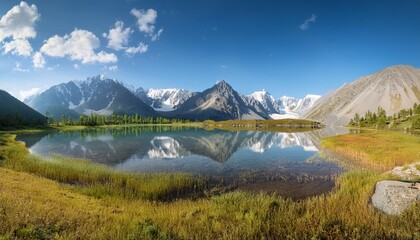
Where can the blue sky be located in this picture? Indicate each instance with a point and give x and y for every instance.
(286, 47)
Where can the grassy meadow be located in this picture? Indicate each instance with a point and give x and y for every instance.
(381, 150)
(63, 198)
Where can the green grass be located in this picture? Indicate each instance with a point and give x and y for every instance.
(34, 206)
(96, 179)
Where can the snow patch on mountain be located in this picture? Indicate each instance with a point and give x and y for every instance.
(97, 94)
(166, 99)
(269, 103)
(285, 107)
(284, 115)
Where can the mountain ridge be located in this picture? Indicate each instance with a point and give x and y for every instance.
(392, 88)
(14, 112)
(99, 95)
(220, 102)
(165, 99)
(284, 107)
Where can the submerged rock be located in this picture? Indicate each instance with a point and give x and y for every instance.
(393, 197)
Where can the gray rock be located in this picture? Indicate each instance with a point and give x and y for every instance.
(393, 197)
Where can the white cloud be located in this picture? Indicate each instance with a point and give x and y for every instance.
(146, 22)
(38, 60)
(101, 57)
(19, 47)
(76, 66)
(118, 37)
(157, 35)
(18, 68)
(141, 48)
(79, 45)
(19, 25)
(25, 94)
(305, 25)
(113, 68)
(19, 22)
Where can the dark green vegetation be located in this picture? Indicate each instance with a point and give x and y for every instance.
(405, 119)
(53, 199)
(114, 119)
(15, 114)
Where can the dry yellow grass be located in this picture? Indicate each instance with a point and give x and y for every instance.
(381, 150)
(281, 125)
(33, 207)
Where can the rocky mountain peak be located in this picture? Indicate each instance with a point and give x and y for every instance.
(99, 77)
(223, 88)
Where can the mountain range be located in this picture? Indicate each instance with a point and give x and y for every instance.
(98, 94)
(393, 88)
(105, 96)
(285, 107)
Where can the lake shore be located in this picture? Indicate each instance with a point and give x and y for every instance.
(346, 212)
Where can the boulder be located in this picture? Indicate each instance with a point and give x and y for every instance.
(393, 197)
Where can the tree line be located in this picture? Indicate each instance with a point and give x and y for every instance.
(94, 119)
(18, 121)
(380, 118)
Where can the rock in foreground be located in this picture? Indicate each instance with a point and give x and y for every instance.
(393, 197)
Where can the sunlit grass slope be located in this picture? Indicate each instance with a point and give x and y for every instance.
(377, 149)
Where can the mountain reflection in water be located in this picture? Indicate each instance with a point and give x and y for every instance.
(154, 149)
(286, 163)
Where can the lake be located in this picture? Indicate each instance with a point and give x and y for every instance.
(288, 164)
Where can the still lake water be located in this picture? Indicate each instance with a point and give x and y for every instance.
(285, 163)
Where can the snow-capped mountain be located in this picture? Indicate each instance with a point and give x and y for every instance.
(105, 96)
(97, 94)
(267, 101)
(298, 105)
(220, 102)
(164, 99)
(285, 107)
